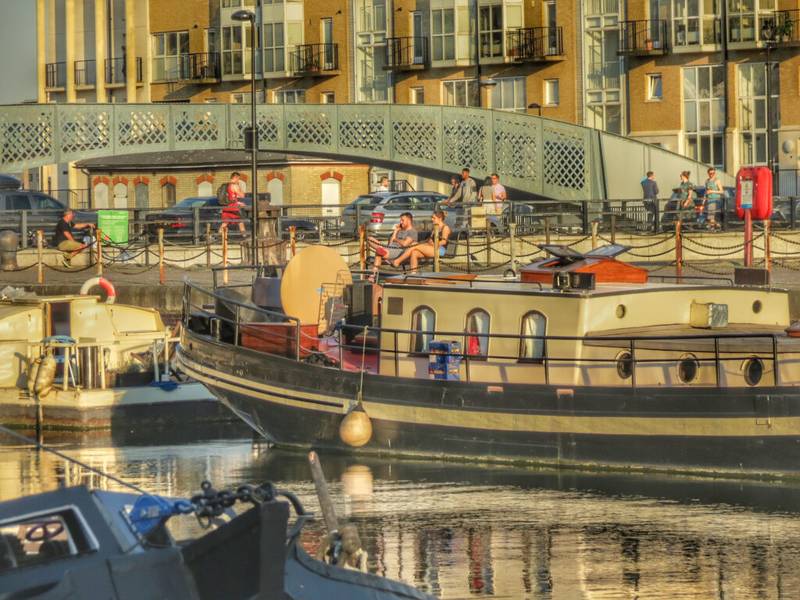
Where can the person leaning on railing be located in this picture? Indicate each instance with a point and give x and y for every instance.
(63, 239)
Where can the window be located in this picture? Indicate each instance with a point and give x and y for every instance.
(443, 34)
(754, 122)
(168, 194)
(695, 22)
(290, 97)
(477, 334)
(244, 97)
(274, 48)
(603, 66)
(491, 30)
(423, 322)
(704, 114)
(236, 49)
(460, 92)
(509, 94)
(745, 19)
(372, 81)
(534, 324)
(18, 202)
(551, 94)
(43, 202)
(654, 89)
(327, 98)
(170, 55)
(417, 95)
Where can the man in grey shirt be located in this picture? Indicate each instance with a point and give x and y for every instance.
(403, 236)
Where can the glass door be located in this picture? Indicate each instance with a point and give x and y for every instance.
(419, 40)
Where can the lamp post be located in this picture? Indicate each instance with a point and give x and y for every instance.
(536, 106)
(251, 133)
(768, 33)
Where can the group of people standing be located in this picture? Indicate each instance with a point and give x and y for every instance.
(491, 194)
(687, 203)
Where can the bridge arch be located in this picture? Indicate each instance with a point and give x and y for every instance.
(535, 157)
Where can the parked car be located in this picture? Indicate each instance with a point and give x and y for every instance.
(358, 212)
(305, 229)
(386, 213)
(42, 212)
(178, 220)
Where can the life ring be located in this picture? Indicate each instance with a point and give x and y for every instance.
(108, 287)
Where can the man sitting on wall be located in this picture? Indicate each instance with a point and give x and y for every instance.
(403, 236)
(63, 239)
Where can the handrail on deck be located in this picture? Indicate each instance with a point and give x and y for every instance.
(545, 359)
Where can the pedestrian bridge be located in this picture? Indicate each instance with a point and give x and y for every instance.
(535, 157)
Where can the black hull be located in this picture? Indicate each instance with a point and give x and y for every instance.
(751, 432)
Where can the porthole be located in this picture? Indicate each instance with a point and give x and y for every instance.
(688, 368)
(624, 365)
(753, 370)
(757, 306)
(621, 310)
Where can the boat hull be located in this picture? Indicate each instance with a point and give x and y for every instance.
(753, 431)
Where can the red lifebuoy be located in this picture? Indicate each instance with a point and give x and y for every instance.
(108, 287)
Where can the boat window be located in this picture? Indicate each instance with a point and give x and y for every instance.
(624, 365)
(533, 324)
(688, 367)
(753, 370)
(478, 333)
(35, 540)
(423, 322)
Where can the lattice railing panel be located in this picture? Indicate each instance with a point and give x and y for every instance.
(416, 134)
(566, 156)
(363, 130)
(310, 128)
(466, 140)
(517, 150)
(270, 122)
(87, 131)
(143, 128)
(199, 126)
(27, 135)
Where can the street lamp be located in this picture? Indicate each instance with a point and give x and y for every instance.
(537, 106)
(768, 33)
(251, 133)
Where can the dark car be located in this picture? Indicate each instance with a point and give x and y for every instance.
(37, 209)
(304, 229)
(178, 220)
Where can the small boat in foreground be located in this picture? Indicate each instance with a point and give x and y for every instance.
(76, 543)
(581, 361)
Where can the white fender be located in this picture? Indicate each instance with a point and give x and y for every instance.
(108, 287)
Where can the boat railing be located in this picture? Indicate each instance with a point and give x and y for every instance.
(293, 342)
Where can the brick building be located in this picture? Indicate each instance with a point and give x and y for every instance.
(690, 76)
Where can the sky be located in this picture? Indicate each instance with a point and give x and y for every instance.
(17, 51)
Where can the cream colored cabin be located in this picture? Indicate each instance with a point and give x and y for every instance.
(507, 310)
(119, 331)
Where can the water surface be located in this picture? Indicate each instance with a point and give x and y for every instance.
(479, 531)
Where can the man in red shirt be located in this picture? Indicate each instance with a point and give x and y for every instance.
(231, 211)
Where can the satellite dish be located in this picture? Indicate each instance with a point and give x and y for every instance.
(315, 277)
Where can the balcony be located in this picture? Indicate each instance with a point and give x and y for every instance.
(535, 44)
(643, 38)
(204, 66)
(784, 29)
(315, 60)
(115, 71)
(406, 53)
(85, 74)
(55, 75)
(199, 66)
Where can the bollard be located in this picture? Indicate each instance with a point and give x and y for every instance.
(613, 228)
(767, 251)
(678, 250)
(23, 229)
(748, 238)
(225, 255)
(162, 276)
(469, 250)
(547, 230)
(196, 225)
(99, 238)
(39, 255)
(489, 235)
(293, 239)
(208, 245)
(512, 230)
(436, 248)
(362, 247)
(595, 226)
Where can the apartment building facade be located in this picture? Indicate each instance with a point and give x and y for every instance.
(688, 75)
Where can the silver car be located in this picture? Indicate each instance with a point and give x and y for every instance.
(386, 213)
(358, 212)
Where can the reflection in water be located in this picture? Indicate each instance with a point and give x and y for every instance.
(460, 531)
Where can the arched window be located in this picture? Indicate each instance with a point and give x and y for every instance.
(168, 194)
(423, 322)
(142, 194)
(533, 324)
(275, 189)
(477, 333)
(205, 189)
(121, 195)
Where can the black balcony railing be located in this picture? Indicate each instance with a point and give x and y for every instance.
(204, 65)
(643, 38)
(315, 59)
(535, 44)
(783, 29)
(85, 73)
(55, 74)
(116, 70)
(406, 53)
